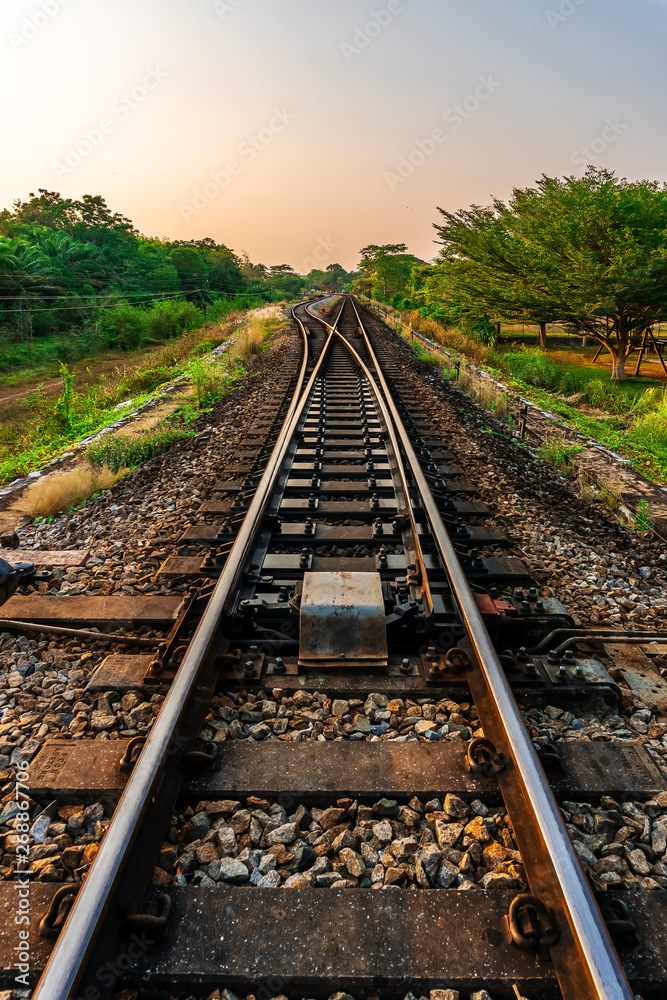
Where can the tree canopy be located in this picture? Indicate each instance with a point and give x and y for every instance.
(385, 269)
(590, 251)
(59, 257)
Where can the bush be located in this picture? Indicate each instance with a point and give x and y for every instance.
(208, 379)
(170, 318)
(123, 327)
(484, 331)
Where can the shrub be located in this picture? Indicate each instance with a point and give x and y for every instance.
(208, 379)
(170, 318)
(123, 327)
(651, 428)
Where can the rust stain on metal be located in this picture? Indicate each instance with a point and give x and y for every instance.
(68, 557)
(342, 620)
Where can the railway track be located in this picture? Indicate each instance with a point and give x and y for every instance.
(346, 586)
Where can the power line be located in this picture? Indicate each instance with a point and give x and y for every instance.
(159, 296)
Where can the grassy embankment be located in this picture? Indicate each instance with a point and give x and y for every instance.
(38, 429)
(630, 418)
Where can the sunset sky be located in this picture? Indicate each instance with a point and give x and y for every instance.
(301, 130)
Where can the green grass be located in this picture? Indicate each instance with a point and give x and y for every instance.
(640, 437)
(557, 453)
(117, 452)
(629, 418)
(534, 367)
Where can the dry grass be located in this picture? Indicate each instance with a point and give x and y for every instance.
(452, 339)
(587, 486)
(611, 493)
(62, 490)
(250, 338)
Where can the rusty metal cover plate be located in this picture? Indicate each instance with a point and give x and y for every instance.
(66, 557)
(120, 672)
(89, 610)
(176, 566)
(79, 770)
(342, 620)
(639, 673)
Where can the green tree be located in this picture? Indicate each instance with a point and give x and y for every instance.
(385, 269)
(590, 251)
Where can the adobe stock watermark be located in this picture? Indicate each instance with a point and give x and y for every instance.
(454, 117)
(32, 25)
(592, 151)
(225, 7)
(564, 11)
(22, 885)
(376, 24)
(247, 152)
(122, 108)
(321, 255)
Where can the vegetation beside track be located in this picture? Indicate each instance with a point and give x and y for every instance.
(40, 429)
(629, 418)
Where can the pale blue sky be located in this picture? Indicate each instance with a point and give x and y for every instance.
(318, 116)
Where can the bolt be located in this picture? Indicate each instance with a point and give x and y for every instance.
(569, 656)
(375, 501)
(405, 665)
(518, 593)
(279, 665)
(553, 656)
(249, 668)
(525, 607)
(522, 654)
(578, 670)
(539, 605)
(531, 669)
(309, 527)
(532, 594)
(562, 671)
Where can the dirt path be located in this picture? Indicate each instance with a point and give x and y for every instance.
(88, 372)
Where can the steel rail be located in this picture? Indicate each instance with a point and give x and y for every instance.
(400, 468)
(563, 636)
(597, 956)
(79, 633)
(66, 963)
